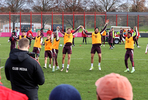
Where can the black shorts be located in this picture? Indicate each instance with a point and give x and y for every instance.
(55, 52)
(67, 49)
(48, 54)
(95, 48)
(36, 50)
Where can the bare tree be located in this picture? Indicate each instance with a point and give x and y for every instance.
(122, 8)
(43, 6)
(73, 5)
(138, 6)
(14, 6)
(105, 5)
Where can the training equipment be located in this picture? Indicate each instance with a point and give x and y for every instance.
(60, 45)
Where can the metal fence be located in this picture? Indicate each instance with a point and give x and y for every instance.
(89, 20)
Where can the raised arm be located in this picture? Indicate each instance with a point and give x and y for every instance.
(57, 35)
(76, 30)
(84, 31)
(105, 26)
(134, 37)
(63, 33)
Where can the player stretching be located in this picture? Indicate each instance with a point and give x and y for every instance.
(22, 36)
(129, 46)
(55, 48)
(68, 37)
(37, 45)
(48, 50)
(96, 43)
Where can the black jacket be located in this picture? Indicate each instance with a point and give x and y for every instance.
(24, 73)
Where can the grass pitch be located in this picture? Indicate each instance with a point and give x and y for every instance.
(79, 75)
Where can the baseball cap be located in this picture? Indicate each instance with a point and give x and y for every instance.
(114, 86)
(64, 92)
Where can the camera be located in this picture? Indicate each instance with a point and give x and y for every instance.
(31, 54)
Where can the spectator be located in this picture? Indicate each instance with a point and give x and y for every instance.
(84, 37)
(64, 92)
(7, 94)
(49, 31)
(24, 72)
(114, 87)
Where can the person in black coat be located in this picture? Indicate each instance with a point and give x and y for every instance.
(23, 71)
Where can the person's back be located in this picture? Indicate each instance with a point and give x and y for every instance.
(24, 73)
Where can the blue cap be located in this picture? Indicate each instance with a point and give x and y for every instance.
(64, 92)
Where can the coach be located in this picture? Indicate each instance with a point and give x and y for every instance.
(24, 72)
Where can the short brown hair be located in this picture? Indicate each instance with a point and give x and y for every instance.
(24, 42)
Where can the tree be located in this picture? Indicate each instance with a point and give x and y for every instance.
(105, 5)
(138, 6)
(43, 6)
(14, 6)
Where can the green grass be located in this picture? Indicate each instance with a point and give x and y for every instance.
(79, 75)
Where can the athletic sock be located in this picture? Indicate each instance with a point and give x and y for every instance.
(91, 64)
(57, 66)
(45, 65)
(99, 64)
(53, 66)
(127, 68)
(133, 68)
(67, 65)
(62, 65)
(49, 65)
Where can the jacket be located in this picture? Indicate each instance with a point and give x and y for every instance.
(24, 73)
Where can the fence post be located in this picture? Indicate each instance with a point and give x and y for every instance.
(9, 21)
(52, 20)
(62, 21)
(105, 16)
(41, 20)
(116, 20)
(73, 20)
(20, 21)
(95, 20)
(127, 19)
(84, 19)
(138, 23)
(30, 19)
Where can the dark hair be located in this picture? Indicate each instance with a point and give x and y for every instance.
(23, 30)
(118, 99)
(68, 28)
(131, 27)
(96, 28)
(129, 33)
(24, 42)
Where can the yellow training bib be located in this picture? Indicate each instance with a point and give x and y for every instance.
(96, 38)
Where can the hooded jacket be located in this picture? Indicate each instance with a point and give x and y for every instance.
(24, 73)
